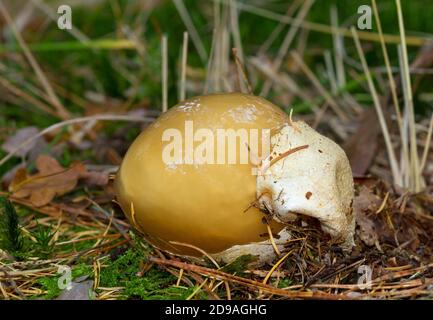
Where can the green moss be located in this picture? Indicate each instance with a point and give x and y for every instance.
(75, 246)
(81, 270)
(44, 246)
(284, 283)
(153, 285)
(50, 284)
(239, 265)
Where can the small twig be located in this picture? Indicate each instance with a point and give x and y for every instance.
(246, 282)
(209, 257)
(197, 249)
(283, 155)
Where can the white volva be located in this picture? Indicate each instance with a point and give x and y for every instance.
(312, 177)
(264, 251)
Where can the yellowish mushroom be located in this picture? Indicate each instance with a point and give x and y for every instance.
(199, 178)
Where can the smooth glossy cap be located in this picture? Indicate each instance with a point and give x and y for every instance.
(205, 205)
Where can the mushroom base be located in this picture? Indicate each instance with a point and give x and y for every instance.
(264, 251)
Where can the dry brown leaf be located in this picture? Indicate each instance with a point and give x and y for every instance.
(366, 202)
(367, 231)
(19, 177)
(50, 181)
(95, 178)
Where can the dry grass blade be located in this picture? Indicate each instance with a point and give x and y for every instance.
(330, 71)
(103, 117)
(234, 27)
(207, 255)
(164, 73)
(196, 290)
(241, 72)
(338, 48)
(311, 76)
(210, 62)
(283, 80)
(427, 146)
(53, 16)
(61, 111)
(393, 89)
(183, 12)
(286, 43)
(391, 80)
(279, 28)
(322, 28)
(184, 64)
(391, 154)
(234, 24)
(276, 265)
(30, 99)
(414, 160)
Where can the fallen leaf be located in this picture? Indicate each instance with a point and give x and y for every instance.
(8, 177)
(366, 202)
(96, 178)
(20, 137)
(367, 232)
(50, 181)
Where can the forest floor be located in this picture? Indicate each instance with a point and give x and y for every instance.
(73, 105)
